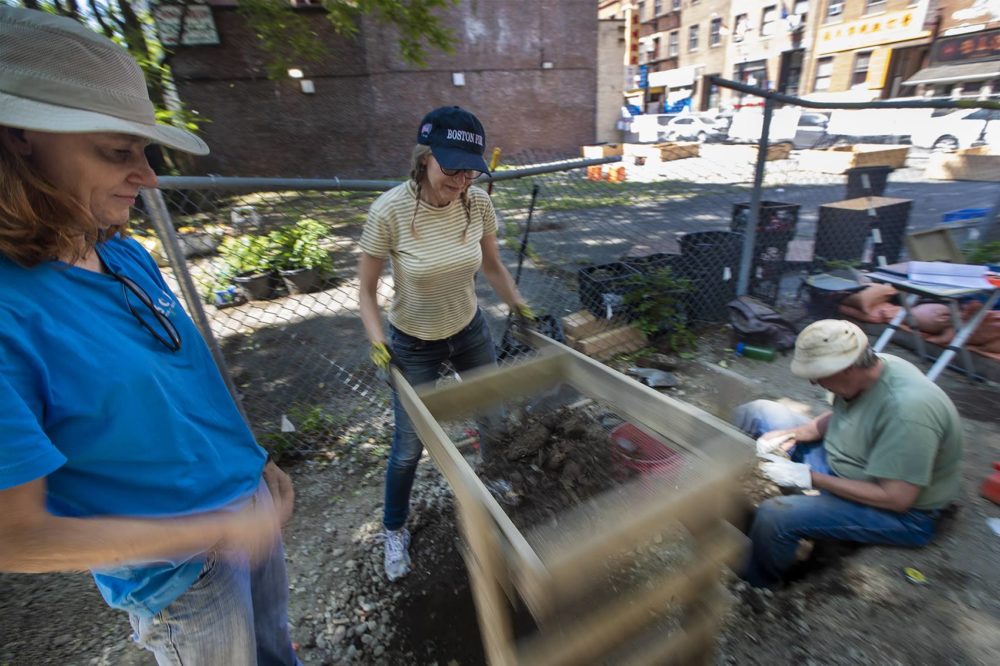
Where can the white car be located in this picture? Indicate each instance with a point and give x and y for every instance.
(960, 129)
(690, 127)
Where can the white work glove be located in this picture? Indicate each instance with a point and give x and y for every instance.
(771, 444)
(786, 473)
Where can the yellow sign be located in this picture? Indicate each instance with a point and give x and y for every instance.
(878, 67)
(872, 31)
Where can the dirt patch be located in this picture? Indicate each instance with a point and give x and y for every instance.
(851, 606)
(547, 463)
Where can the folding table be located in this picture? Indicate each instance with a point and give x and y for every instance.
(913, 291)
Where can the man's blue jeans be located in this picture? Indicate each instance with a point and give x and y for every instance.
(232, 614)
(781, 521)
(420, 362)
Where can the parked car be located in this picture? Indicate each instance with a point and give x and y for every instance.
(691, 127)
(811, 130)
(960, 129)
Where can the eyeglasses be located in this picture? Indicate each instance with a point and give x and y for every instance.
(172, 339)
(468, 174)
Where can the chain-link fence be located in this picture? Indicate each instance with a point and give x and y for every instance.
(649, 245)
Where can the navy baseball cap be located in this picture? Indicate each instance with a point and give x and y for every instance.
(456, 138)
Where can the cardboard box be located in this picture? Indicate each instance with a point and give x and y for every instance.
(581, 324)
(601, 150)
(618, 340)
(969, 164)
(841, 158)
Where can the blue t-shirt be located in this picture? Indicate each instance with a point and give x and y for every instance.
(118, 424)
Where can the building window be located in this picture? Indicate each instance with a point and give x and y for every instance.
(640, 10)
(824, 72)
(673, 46)
(874, 6)
(834, 11)
(715, 32)
(655, 49)
(799, 14)
(860, 73)
(768, 21)
(675, 5)
(693, 37)
(741, 26)
(657, 7)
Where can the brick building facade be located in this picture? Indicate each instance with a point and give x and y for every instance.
(528, 70)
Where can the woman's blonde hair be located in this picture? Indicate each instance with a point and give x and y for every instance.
(37, 221)
(418, 174)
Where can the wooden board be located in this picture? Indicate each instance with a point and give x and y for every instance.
(602, 150)
(618, 340)
(581, 324)
(748, 152)
(842, 158)
(964, 165)
(678, 150)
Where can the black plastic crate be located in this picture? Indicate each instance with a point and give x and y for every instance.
(776, 225)
(710, 252)
(650, 263)
(878, 178)
(603, 287)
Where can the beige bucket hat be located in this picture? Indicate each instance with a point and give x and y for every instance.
(59, 76)
(826, 347)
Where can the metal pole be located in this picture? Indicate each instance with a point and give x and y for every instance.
(326, 184)
(989, 229)
(164, 226)
(750, 233)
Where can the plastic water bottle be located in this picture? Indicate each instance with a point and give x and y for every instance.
(759, 353)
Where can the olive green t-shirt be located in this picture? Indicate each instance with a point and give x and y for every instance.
(904, 428)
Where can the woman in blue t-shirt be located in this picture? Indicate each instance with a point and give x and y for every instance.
(121, 450)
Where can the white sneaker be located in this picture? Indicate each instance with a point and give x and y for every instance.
(397, 555)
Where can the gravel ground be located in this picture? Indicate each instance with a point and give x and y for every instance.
(849, 606)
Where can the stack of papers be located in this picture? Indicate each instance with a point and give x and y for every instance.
(948, 275)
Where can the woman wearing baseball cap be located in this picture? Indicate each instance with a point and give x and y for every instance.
(121, 451)
(438, 231)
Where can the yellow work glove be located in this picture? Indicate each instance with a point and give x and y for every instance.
(381, 355)
(523, 311)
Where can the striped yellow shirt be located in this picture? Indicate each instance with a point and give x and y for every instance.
(434, 273)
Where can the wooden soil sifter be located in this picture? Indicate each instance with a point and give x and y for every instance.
(627, 576)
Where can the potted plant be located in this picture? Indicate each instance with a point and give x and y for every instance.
(657, 301)
(302, 261)
(249, 261)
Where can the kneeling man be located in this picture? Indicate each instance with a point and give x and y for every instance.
(886, 459)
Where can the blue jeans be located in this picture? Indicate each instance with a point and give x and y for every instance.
(232, 614)
(781, 521)
(420, 362)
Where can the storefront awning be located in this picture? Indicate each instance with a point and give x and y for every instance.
(973, 71)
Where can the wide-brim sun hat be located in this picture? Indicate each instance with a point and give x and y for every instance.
(826, 347)
(456, 138)
(59, 76)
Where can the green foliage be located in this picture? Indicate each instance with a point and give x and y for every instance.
(982, 252)
(290, 41)
(247, 255)
(657, 300)
(300, 246)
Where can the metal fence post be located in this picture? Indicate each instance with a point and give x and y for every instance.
(750, 233)
(162, 223)
(990, 228)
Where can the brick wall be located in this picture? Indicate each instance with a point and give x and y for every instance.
(363, 117)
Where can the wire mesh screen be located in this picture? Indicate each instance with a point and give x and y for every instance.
(613, 257)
